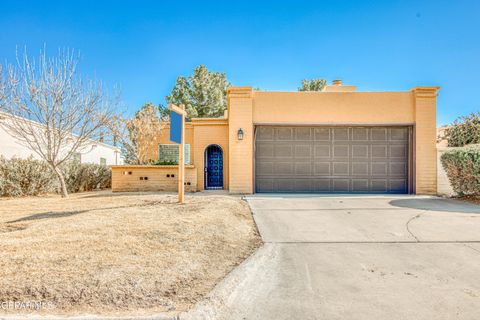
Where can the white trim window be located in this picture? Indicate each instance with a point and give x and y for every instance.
(168, 153)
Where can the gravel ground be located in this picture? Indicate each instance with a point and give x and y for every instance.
(119, 253)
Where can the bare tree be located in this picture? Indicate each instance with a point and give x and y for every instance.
(137, 136)
(50, 109)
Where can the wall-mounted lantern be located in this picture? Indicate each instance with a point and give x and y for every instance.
(240, 134)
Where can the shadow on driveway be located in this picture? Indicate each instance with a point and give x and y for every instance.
(445, 205)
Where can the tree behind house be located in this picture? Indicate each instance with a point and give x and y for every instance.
(204, 94)
(50, 109)
(137, 135)
(312, 85)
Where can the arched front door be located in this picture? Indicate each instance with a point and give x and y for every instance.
(213, 167)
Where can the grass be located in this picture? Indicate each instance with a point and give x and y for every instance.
(117, 254)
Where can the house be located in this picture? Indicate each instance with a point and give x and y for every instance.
(94, 152)
(338, 140)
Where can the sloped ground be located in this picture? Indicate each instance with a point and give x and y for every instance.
(130, 253)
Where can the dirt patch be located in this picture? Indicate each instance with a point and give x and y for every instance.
(107, 253)
(471, 199)
(9, 227)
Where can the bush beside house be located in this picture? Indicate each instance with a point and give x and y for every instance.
(29, 177)
(463, 170)
(464, 131)
(461, 161)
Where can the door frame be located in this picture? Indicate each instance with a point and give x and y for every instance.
(205, 168)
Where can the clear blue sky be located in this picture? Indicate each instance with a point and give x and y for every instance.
(377, 45)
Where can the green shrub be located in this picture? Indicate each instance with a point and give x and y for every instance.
(29, 177)
(165, 163)
(86, 176)
(465, 130)
(463, 170)
(25, 177)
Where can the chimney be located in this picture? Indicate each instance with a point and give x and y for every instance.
(337, 82)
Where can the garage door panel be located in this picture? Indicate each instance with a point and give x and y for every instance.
(379, 134)
(265, 133)
(340, 134)
(322, 185)
(379, 151)
(378, 185)
(265, 184)
(303, 151)
(360, 185)
(360, 168)
(303, 134)
(322, 134)
(283, 168)
(284, 185)
(360, 151)
(398, 169)
(379, 168)
(304, 185)
(284, 134)
(283, 151)
(265, 168)
(360, 134)
(264, 150)
(398, 151)
(322, 168)
(341, 151)
(341, 185)
(332, 159)
(341, 168)
(398, 134)
(398, 185)
(303, 168)
(322, 151)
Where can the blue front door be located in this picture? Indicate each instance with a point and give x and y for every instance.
(214, 168)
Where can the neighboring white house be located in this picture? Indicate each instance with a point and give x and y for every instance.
(95, 152)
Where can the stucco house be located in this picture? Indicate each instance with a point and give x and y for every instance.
(94, 152)
(338, 140)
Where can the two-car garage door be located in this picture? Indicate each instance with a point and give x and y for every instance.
(332, 159)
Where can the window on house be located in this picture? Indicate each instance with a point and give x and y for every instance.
(103, 161)
(77, 157)
(168, 153)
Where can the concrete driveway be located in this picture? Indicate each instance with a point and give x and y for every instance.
(375, 257)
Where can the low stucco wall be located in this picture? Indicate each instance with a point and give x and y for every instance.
(159, 178)
(443, 184)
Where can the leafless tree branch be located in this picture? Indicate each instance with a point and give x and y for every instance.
(50, 108)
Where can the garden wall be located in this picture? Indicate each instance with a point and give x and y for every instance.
(443, 184)
(151, 178)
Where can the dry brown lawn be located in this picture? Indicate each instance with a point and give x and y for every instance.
(118, 254)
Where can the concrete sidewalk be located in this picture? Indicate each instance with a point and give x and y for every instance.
(356, 258)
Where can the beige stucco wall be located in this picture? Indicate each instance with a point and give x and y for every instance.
(163, 137)
(248, 108)
(333, 107)
(207, 132)
(240, 113)
(444, 188)
(425, 101)
(200, 133)
(127, 178)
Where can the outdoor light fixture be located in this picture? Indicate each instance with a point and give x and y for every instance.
(240, 134)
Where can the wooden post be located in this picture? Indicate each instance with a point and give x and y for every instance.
(179, 116)
(181, 161)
